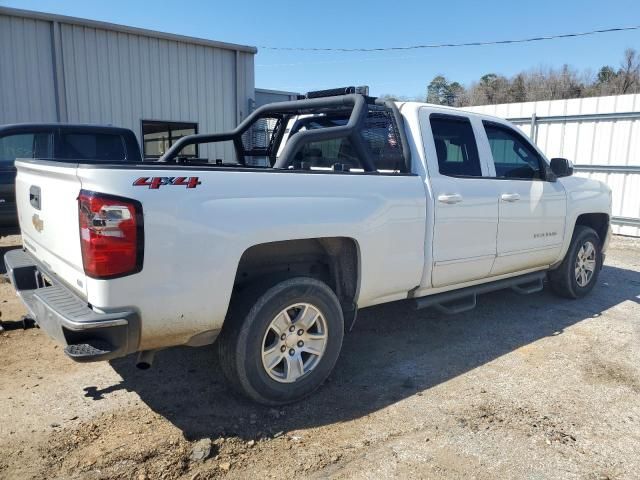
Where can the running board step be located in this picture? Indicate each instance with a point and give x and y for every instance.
(459, 305)
(529, 287)
(90, 351)
(464, 299)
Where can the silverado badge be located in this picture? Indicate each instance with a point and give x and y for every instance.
(37, 223)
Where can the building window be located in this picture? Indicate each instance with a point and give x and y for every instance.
(157, 137)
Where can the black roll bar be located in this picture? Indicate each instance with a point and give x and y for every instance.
(298, 107)
(359, 112)
(406, 151)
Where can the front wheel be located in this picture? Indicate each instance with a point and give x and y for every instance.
(279, 345)
(577, 274)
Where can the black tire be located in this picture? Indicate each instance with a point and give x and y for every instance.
(563, 279)
(240, 344)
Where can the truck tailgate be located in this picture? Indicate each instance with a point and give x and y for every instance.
(46, 196)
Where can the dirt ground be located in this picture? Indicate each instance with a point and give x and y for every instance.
(530, 387)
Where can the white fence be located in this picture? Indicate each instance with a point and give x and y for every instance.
(601, 135)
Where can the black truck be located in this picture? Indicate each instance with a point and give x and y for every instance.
(58, 142)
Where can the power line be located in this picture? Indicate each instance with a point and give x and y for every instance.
(450, 45)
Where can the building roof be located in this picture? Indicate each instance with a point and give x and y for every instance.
(15, 12)
(276, 92)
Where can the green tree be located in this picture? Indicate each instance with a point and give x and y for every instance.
(518, 89)
(606, 74)
(436, 90)
(490, 87)
(456, 93)
(441, 92)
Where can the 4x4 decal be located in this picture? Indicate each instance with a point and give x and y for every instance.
(156, 182)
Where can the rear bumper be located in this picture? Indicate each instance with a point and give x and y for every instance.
(87, 335)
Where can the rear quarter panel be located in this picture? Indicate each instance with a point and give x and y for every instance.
(195, 237)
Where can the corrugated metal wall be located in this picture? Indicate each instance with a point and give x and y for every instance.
(119, 75)
(595, 134)
(27, 90)
(264, 96)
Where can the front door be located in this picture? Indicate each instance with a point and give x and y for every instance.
(532, 210)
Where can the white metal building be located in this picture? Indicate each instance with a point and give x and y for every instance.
(264, 96)
(601, 135)
(162, 86)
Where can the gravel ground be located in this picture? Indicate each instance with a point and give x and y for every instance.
(521, 387)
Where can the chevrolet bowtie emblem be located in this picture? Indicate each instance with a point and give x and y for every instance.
(37, 223)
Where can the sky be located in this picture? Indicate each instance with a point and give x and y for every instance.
(376, 23)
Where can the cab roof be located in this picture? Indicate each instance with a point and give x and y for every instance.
(75, 127)
(415, 106)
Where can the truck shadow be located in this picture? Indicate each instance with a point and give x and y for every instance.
(9, 230)
(393, 352)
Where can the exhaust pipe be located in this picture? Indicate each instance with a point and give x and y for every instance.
(145, 359)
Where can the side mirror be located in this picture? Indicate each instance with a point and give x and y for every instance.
(561, 167)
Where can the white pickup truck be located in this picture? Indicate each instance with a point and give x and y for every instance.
(269, 238)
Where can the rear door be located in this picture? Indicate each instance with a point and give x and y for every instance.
(532, 209)
(466, 207)
(46, 193)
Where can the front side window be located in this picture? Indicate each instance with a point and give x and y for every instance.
(455, 146)
(24, 145)
(513, 156)
(157, 137)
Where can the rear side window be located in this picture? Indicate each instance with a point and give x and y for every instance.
(512, 155)
(106, 147)
(455, 146)
(383, 139)
(24, 145)
(325, 153)
(380, 135)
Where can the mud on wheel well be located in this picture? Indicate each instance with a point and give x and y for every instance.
(598, 221)
(333, 260)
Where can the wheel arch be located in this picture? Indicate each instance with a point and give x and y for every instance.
(334, 260)
(598, 221)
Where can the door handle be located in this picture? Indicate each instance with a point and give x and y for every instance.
(510, 197)
(450, 198)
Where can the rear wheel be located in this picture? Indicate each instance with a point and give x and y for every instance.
(279, 345)
(577, 274)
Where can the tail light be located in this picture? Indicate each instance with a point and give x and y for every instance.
(111, 235)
